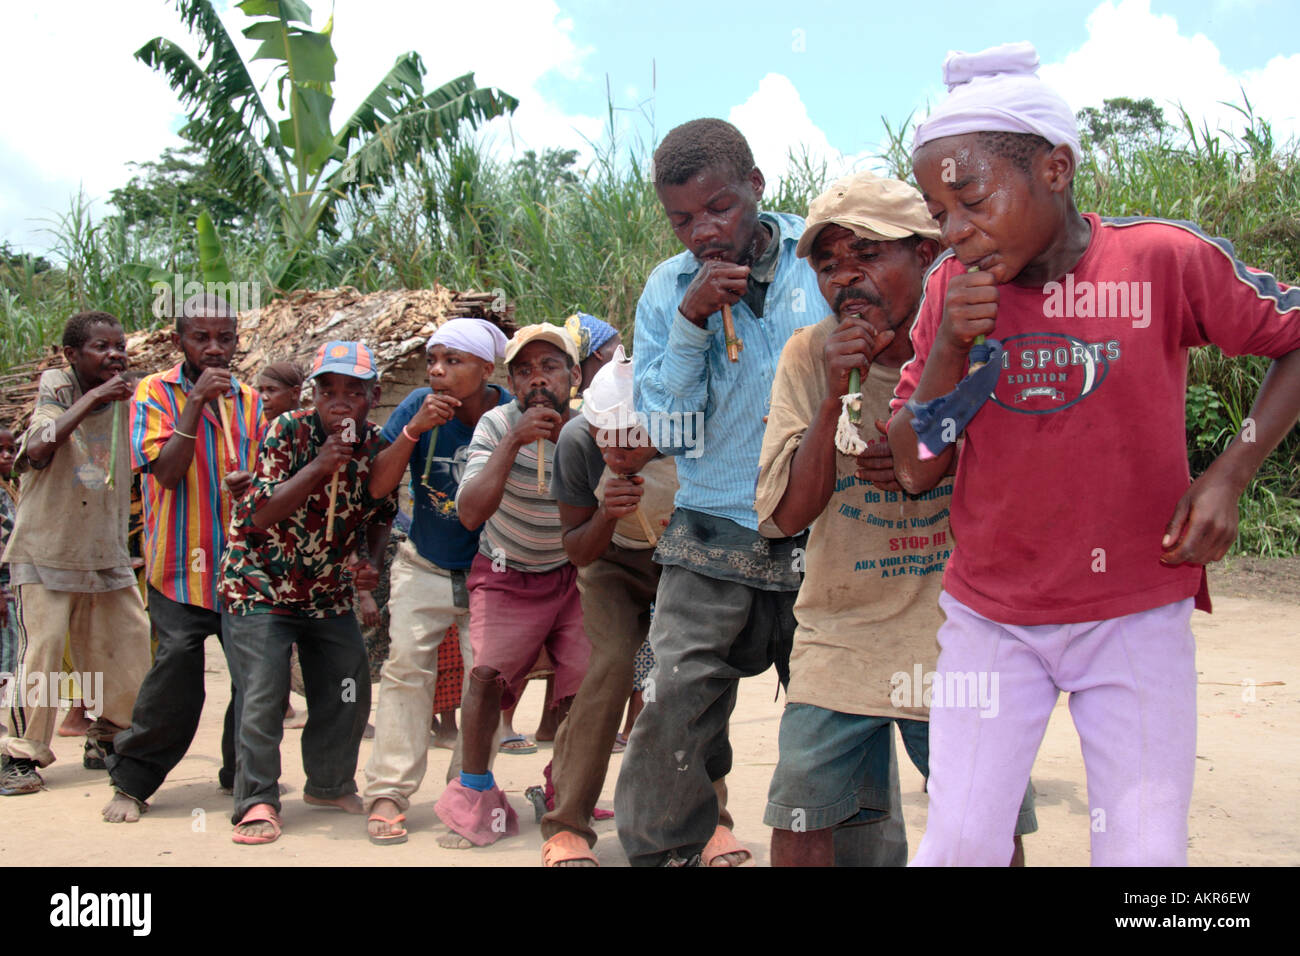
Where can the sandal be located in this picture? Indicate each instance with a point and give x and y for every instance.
(723, 842)
(528, 746)
(260, 813)
(566, 847)
(388, 839)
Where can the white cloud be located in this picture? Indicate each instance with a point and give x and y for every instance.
(775, 121)
(1133, 52)
(81, 107)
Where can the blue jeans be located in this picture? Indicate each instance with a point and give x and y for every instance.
(337, 679)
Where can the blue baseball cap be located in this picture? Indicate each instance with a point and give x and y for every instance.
(344, 358)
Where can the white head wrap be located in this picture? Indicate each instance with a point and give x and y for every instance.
(998, 91)
(476, 336)
(607, 402)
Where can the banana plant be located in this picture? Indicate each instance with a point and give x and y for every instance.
(297, 168)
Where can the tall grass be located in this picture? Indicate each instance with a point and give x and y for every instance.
(555, 239)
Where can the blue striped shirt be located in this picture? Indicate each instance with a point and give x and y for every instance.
(683, 369)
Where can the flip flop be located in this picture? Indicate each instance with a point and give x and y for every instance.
(529, 747)
(620, 744)
(565, 847)
(259, 813)
(390, 839)
(723, 842)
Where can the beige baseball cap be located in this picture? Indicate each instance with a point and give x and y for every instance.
(542, 332)
(871, 207)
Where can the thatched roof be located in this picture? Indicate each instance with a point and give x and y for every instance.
(395, 324)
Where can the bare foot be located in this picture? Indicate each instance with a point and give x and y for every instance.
(76, 723)
(384, 808)
(123, 809)
(451, 840)
(348, 804)
(731, 859)
(445, 741)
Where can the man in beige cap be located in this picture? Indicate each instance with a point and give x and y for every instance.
(523, 592)
(868, 609)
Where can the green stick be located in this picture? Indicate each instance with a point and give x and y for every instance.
(112, 446)
(855, 386)
(428, 461)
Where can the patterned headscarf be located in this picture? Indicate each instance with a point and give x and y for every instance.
(588, 333)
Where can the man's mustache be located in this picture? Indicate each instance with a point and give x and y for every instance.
(856, 293)
(554, 400)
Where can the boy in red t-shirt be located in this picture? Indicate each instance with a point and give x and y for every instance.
(1081, 539)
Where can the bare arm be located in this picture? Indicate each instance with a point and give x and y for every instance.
(588, 531)
(42, 445)
(812, 473)
(1204, 524)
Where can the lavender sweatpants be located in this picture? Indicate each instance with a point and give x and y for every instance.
(1132, 687)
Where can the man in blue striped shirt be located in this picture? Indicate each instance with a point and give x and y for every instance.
(710, 411)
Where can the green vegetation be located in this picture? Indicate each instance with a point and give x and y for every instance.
(555, 237)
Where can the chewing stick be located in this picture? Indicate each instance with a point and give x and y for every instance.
(112, 445)
(645, 526)
(734, 345)
(329, 515)
(979, 339)
(225, 428)
(541, 466)
(428, 461)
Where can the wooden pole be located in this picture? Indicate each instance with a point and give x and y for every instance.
(541, 466)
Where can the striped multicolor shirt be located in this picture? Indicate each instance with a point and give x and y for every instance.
(525, 528)
(687, 387)
(185, 527)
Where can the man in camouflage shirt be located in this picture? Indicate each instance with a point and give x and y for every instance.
(289, 576)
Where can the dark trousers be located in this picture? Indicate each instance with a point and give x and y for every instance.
(337, 679)
(169, 702)
(617, 591)
(706, 635)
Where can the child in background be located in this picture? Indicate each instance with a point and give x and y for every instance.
(1081, 538)
(288, 577)
(73, 578)
(280, 386)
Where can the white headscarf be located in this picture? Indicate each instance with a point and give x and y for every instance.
(998, 91)
(607, 402)
(478, 337)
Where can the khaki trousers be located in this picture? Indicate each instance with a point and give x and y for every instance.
(421, 609)
(108, 633)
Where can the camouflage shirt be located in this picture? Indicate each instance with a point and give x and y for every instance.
(289, 568)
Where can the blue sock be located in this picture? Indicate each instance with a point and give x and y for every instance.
(477, 781)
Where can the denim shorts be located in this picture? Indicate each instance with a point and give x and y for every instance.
(833, 769)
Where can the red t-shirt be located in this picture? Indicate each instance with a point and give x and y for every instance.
(1071, 471)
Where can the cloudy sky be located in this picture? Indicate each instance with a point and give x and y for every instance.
(818, 75)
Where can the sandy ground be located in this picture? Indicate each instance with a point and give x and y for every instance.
(1245, 809)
